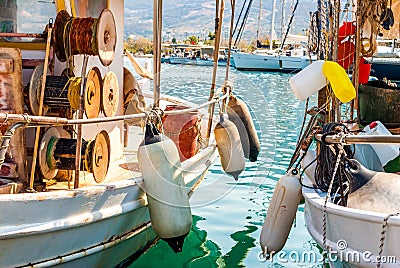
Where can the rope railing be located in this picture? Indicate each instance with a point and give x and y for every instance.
(29, 120)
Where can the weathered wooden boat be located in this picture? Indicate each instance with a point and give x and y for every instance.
(72, 193)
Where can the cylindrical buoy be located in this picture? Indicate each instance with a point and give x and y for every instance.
(309, 164)
(239, 114)
(339, 80)
(308, 81)
(229, 147)
(281, 213)
(167, 196)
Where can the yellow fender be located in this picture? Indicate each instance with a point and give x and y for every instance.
(339, 80)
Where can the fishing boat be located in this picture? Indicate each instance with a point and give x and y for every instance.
(78, 174)
(347, 175)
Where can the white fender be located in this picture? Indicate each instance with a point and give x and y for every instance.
(239, 114)
(309, 165)
(229, 147)
(167, 196)
(281, 213)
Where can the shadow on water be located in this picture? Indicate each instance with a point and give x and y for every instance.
(198, 251)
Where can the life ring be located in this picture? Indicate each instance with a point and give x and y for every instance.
(348, 28)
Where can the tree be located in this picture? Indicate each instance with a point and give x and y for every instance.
(211, 35)
(174, 40)
(192, 40)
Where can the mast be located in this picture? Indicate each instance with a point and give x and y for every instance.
(259, 22)
(283, 19)
(272, 23)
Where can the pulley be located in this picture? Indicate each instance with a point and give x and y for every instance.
(57, 153)
(90, 36)
(110, 94)
(63, 92)
(49, 137)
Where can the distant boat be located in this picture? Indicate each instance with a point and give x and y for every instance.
(263, 60)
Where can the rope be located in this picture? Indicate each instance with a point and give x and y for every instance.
(327, 156)
(383, 237)
(74, 87)
(338, 160)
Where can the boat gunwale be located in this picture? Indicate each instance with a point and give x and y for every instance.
(313, 198)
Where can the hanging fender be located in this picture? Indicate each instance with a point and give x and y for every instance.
(281, 213)
(239, 114)
(229, 147)
(167, 196)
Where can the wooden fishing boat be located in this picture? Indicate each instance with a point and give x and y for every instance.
(72, 192)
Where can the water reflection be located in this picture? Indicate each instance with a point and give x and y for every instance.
(226, 232)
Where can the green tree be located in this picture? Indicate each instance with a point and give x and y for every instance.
(174, 40)
(211, 35)
(192, 40)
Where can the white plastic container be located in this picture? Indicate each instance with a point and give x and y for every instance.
(385, 152)
(308, 81)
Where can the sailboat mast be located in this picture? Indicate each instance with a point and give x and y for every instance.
(272, 23)
(259, 21)
(283, 19)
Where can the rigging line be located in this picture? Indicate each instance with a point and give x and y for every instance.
(290, 22)
(233, 2)
(240, 16)
(246, 15)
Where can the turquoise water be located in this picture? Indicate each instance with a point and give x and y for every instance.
(228, 214)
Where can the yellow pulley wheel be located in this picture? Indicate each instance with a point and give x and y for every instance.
(92, 95)
(100, 156)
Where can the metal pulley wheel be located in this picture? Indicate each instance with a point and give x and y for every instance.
(106, 37)
(110, 94)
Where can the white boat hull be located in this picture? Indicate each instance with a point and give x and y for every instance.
(266, 62)
(352, 235)
(96, 226)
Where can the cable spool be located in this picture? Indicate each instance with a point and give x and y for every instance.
(58, 153)
(110, 94)
(63, 92)
(90, 36)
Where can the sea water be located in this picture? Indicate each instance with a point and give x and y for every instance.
(228, 215)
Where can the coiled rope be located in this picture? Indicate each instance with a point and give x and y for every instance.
(326, 162)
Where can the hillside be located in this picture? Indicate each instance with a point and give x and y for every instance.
(182, 18)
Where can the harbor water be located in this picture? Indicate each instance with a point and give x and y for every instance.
(228, 214)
